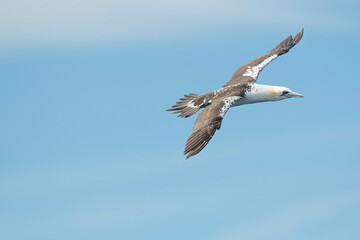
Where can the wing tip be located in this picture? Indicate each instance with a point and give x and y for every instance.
(298, 36)
(288, 43)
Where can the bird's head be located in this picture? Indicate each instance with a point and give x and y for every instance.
(280, 93)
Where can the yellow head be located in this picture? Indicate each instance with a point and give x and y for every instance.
(279, 93)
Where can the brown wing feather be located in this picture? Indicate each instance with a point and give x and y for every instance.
(208, 121)
(283, 47)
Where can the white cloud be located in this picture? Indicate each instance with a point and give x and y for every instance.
(94, 21)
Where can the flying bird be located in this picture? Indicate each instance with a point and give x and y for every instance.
(241, 89)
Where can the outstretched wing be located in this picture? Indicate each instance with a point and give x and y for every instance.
(250, 71)
(208, 121)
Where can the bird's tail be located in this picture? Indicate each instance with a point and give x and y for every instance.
(187, 106)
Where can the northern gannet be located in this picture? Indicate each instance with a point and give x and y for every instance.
(241, 89)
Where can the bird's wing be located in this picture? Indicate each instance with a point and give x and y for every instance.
(208, 121)
(250, 71)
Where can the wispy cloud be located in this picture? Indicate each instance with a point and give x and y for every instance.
(93, 21)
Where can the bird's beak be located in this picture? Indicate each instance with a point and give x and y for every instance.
(294, 94)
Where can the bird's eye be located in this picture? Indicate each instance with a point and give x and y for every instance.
(284, 92)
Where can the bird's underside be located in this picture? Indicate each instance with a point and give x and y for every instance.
(217, 103)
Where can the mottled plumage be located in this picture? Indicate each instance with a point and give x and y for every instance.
(241, 89)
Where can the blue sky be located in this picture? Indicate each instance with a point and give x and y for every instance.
(88, 152)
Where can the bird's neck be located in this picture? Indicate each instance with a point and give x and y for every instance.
(260, 93)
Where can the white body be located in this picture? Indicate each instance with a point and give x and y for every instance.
(258, 93)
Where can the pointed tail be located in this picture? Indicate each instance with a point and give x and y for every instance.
(187, 106)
